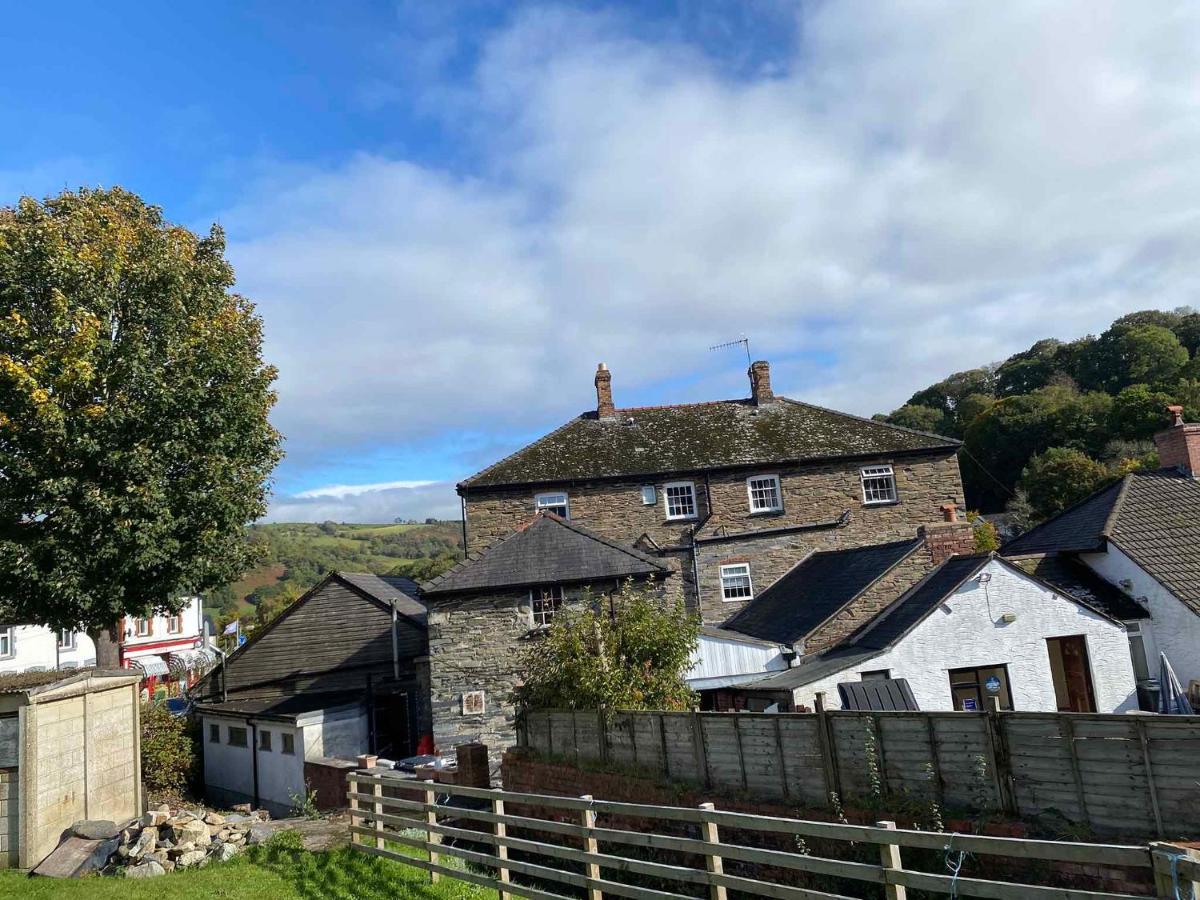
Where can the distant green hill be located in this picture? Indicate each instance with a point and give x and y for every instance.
(295, 556)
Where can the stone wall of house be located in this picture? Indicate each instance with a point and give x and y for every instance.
(812, 495)
(475, 644)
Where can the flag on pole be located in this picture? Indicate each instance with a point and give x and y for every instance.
(232, 627)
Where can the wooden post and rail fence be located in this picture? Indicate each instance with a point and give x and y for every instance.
(547, 847)
(1115, 774)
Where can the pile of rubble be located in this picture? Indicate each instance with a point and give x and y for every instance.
(162, 841)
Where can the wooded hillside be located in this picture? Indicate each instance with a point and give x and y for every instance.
(295, 556)
(1047, 426)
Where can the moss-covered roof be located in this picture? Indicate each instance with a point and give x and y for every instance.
(699, 436)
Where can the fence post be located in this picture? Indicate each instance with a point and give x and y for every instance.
(431, 836)
(355, 821)
(1158, 823)
(587, 818)
(602, 731)
(1165, 873)
(1006, 795)
(701, 752)
(712, 861)
(825, 739)
(377, 790)
(889, 859)
(662, 737)
(501, 832)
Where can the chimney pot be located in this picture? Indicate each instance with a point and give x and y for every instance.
(950, 512)
(604, 397)
(1179, 445)
(760, 382)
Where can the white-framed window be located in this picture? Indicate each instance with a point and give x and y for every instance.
(66, 639)
(878, 484)
(287, 743)
(764, 493)
(680, 498)
(546, 602)
(237, 736)
(214, 733)
(649, 495)
(8, 641)
(141, 627)
(555, 502)
(175, 624)
(1137, 650)
(735, 582)
(264, 741)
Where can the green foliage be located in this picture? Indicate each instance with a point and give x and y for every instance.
(1058, 478)
(987, 538)
(304, 803)
(168, 751)
(134, 438)
(1095, 395)
(628, 650)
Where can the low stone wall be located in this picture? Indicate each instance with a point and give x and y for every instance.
(327, 777)
(523, 772)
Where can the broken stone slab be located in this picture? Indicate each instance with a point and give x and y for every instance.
(259, 833)
(148, 869)
(156, 818)
(77, 856)
(193, 830)
(241, 808)
(95, 829)
(226, 852)
(213, 818)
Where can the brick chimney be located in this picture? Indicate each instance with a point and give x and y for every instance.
(950, 537)
(1179, 445)
(760, 382)
(604, 401)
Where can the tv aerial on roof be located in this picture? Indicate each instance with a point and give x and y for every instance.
(743, 342)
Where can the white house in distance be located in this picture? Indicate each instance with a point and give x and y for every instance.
(167, 650)
(975, 628)
(1141, 537)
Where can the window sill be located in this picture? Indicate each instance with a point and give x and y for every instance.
(766, 513)
(736, 599)
(676, 519)
(873, 503)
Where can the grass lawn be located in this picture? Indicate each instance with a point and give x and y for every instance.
(279, 870)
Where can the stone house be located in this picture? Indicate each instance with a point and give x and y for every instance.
(486, 611)
(341, 672)
(976, 630)
(728, 494)
(1140, 539)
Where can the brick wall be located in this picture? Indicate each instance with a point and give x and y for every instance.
(525, 773)
(327, 777)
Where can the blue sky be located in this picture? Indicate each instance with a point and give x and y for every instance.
(449, 213)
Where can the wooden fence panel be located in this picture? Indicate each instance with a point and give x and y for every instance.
(1119, 774)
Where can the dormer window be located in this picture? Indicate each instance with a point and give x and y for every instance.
(680, 499)
(878, 485)
(764, 493)
(554, 502)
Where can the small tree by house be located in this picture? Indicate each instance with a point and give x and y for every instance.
(627, 650)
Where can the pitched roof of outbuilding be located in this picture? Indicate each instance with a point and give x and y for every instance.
(817, 588)
(549, 550)
(388, 588)
(1068, 575)
(700, 436)
(1153, 517)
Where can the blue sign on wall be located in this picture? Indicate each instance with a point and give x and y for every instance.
(241, 639)
(993, 684)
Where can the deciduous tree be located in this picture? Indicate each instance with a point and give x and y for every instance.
(134, 440)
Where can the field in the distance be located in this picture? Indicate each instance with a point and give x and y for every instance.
(296, 555)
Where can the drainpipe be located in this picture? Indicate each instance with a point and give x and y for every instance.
(224, 683)
(254, 756)
(395, 645)
(462, 505)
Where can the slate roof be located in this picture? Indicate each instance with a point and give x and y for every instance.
(287, 707)
(1068, 575)
(549, 550)
(813, 667)
(700, 436)
(1153, 517)
(388, 588)
(815, 589)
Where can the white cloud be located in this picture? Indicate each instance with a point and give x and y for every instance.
(926, 187)
(369, 503)
(342, 491)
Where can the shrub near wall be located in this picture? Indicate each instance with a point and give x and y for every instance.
(168, 751)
